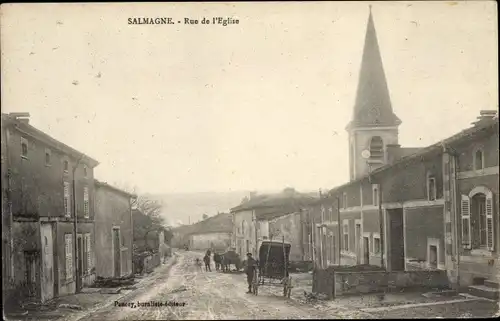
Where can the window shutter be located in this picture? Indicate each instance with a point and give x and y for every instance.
(69, 258)
(466, 228)
(490, 230)
(89, 262)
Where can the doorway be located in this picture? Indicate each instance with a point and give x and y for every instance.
(357, 234)
(396, 240)
(116, 252)
(47, 261)
(366, 250)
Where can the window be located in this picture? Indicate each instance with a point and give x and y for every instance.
(24, 147)
(375, 195)
(66, 166)
(344, 200)
(346, 235)
(478, 159)
(376, 148)
(85, 171)
(68, 251)
(322, 214)
(67, 209)
(431, 187)
(477, 220)
(243, 227)
(86, 202)
(330, 214)
(48, 160)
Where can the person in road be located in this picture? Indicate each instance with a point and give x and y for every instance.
(206, 259)
(251, 267)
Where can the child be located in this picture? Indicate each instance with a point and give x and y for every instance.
(198, 264)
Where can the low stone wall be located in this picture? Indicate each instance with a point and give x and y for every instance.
(345, 280)
(348, 283)
(151, 261)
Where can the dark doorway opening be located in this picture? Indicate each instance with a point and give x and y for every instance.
(396, 240)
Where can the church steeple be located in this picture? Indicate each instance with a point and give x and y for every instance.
(374, 125)
(373, 106)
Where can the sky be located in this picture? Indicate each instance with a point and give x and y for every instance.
(259, 105)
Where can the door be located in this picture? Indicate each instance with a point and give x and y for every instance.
(117, 253)
(79, 273)
(396, 244)
(366, 250)
(358, 243)
(47, 262)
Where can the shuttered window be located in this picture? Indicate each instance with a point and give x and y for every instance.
(67, 208)
(322, 214)
(86, 202)
(68, 251)
(89, 252)
(466, 227)
(490, 239)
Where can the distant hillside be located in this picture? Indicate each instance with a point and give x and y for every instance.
(185, 208)
(189, 207)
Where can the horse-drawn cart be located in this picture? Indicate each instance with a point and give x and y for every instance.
(273, 266)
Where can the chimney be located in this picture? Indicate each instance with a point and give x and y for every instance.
(485, 115)
(21, 117)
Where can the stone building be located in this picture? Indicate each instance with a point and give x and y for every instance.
(251, 218)
(212, 233)
(113, 230)
(47, 183)
(407, 208)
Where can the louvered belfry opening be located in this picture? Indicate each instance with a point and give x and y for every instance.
(376, 148)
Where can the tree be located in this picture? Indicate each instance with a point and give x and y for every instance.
(149, 207)
(205, 216)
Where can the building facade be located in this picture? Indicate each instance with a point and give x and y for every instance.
(48, 183)
(411, 208)
(113, 231)
(253, 219)
(289, 228)
(219, 241)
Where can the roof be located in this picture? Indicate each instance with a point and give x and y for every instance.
(220, 223)
(285, 200)
(30, 130)
(373, 106)
(481, 126)
(112, 188)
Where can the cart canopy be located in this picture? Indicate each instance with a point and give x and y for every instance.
(274, 259)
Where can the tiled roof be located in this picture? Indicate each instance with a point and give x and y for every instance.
(284, 200)
(221, 223)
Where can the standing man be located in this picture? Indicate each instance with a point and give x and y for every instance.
(251, 267)
(206, 259)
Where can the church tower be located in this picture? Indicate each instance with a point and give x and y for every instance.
(374, 125)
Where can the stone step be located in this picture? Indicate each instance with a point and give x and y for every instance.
(492, 284)
(484, 291)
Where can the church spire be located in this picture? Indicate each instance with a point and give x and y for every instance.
(373, 104)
